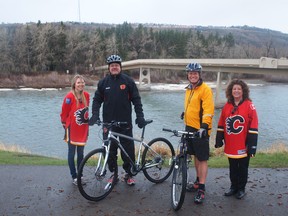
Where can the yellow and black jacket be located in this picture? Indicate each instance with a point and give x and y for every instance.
(199, 106)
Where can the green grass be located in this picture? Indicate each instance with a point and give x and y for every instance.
(262, 160)
(18, 158)
(274, 157)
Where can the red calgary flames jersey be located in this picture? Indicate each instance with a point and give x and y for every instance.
(75, 116)
(238, 128)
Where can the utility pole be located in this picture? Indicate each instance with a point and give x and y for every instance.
(79, 11)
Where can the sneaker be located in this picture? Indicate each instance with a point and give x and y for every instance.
(199, 197)
(129, 180)
(74, 181)
(192, 187)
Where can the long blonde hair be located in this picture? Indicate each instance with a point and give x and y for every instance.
(82, 96)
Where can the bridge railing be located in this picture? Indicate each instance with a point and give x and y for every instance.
(263, 65)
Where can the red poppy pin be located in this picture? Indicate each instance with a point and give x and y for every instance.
(122, 87)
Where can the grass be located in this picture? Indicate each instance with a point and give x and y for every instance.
(14, 155)
(18, 158)
(274, 157)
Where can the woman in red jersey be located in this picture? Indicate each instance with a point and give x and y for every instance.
(74, 117)
(238, 131)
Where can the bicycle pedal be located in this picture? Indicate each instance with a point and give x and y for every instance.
(108, 186)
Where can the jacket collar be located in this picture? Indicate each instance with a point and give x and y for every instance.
(190, 86)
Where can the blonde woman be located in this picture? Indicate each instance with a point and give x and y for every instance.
(74, 118)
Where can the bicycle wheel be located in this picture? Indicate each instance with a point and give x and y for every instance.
(157, 160)
(179, 182)
(94, 176)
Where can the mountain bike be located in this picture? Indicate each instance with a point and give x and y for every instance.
(180, 174)
(95, 180)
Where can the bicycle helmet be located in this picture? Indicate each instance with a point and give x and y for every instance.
(194, 67)
(114, 59)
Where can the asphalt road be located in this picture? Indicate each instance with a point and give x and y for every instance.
(48, 190)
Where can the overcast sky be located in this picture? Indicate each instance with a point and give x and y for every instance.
(258, 13)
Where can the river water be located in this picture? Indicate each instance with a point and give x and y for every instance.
(29, 118)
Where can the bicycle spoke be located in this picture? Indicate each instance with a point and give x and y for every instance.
(95, 183)
(158, 160)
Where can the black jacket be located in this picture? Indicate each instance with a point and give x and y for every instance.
(117, 93)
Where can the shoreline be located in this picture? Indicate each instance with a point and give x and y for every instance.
(160, 86)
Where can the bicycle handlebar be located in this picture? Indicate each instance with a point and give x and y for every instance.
(118, 124)
(179, 132)
(112, 123)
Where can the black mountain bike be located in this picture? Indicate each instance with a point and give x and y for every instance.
(155, 159)
(180, 174)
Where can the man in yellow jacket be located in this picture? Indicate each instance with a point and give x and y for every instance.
(197, 116)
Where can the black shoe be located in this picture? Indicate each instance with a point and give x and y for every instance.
(240, 194)
(199, 197)
(230, 192)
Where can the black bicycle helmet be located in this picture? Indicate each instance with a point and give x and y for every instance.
(194, 67)
(114, 59)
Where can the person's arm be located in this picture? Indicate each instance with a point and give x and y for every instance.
(136, 101)
(208, 111)
(96, 104)
(252, 136)
(66, 107)
(219, 141)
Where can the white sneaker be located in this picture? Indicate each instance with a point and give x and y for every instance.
(74, 181)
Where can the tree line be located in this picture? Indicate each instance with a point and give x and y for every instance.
(36, 47)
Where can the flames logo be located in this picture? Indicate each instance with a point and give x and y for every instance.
(234, 124)
(81, 116)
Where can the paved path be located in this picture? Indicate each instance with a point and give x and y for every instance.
(47, 190)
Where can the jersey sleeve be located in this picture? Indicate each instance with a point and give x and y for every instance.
(252, 136)
(66, 107)
(220, 130)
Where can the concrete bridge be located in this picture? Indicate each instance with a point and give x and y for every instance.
(264, 65)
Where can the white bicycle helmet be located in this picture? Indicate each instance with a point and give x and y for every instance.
(114, 59)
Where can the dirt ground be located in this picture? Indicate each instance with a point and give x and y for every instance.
(48, 190)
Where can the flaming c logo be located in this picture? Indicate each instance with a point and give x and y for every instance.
(122, 87)
(233, 124)
(81, 116)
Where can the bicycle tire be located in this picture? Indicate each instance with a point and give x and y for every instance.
(92, 185)
(158, 160)
(179, 182)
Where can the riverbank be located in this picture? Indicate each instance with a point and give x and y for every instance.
(274, 157)
(56, 80)
(49, 80)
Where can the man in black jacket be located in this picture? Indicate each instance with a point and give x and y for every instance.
(118, 92)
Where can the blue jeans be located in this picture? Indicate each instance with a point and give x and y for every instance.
(71, 161)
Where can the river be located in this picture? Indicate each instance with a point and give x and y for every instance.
(30, 117)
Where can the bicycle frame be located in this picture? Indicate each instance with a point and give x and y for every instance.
(180, 171)
(95, 180)
(114, 136)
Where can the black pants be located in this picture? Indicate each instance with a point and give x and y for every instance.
(238, 172)
(129, 148)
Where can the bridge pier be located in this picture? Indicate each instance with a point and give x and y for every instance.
(144, 79)
(219, 102)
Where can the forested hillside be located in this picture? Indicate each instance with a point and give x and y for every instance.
(35, 48)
